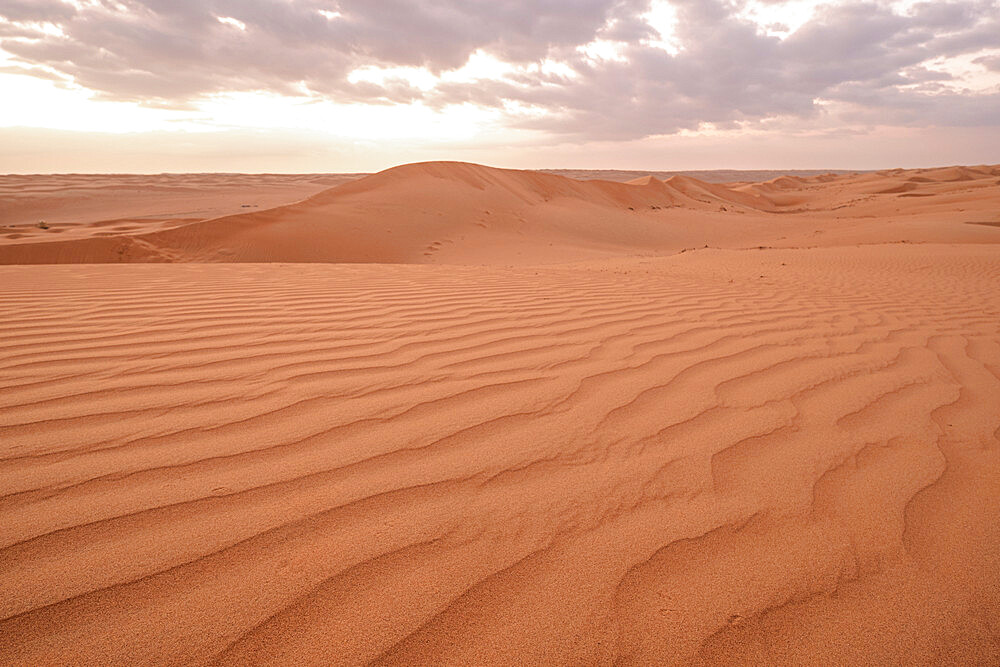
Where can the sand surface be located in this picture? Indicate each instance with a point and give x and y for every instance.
(82, 205)
(458, 213)
(447, 414)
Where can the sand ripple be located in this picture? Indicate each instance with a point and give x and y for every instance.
(779, 455)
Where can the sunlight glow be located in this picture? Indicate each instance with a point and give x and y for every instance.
(481, 66)
(43, 27)
(780, 19)
(662, 17)
(969, 76)
(604, 50)
(356, 121)
(229, 20)
(417, 77)
(33, 102)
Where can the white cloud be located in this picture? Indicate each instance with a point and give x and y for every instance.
(604, 50)
(780, 19)
(236, 23)
(592, 69)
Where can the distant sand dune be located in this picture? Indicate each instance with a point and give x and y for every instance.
(458, 213)
(740, 455)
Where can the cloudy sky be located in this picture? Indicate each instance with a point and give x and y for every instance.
(359, 85)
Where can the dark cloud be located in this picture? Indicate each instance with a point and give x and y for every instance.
(36, 10)
(729, 71)
(992, 63)
(171, 48)
(859, 54)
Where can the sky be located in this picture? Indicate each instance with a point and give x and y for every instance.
(360, 85)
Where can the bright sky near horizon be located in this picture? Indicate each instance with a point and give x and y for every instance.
(357, 85)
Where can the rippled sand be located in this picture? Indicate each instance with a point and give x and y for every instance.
(497, 450)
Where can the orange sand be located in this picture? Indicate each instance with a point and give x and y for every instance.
(515, 425)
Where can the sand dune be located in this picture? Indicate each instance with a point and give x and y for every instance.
(623, 453)
(708, 176)
(457, 213)
(66, 200)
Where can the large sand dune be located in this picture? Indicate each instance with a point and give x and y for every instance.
(457, 213)
(543, 435)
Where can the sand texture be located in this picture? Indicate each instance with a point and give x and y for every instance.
(458, 213)
(448, 414)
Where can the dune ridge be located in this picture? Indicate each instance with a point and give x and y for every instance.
(460, 213)
(628, 452)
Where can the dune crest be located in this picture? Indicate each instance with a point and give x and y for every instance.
(457, 213)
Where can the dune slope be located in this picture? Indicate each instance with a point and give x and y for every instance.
(786, 455)
(458, 213)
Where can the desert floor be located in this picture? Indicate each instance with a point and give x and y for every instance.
(452, 414)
